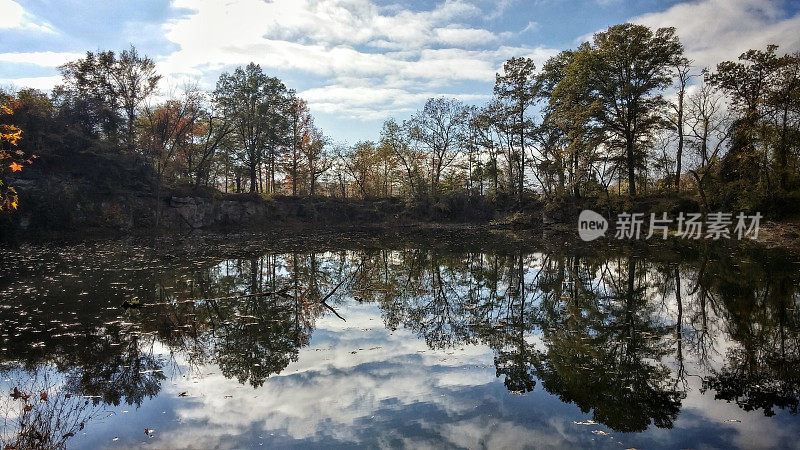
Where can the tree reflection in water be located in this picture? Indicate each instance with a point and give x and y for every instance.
(610, 333)
(38, 412)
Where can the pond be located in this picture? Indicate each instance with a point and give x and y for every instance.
(449, 341)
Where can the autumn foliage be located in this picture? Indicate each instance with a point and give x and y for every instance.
(11, 159)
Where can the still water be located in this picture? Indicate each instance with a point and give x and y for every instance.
(424, 341)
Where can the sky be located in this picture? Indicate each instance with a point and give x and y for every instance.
(359, 62)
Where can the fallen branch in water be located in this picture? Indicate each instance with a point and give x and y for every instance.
(323, 301)
(334, 311)
(329, 296)
(333, 291)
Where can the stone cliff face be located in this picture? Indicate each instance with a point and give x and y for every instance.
(79, 191)
(213, 213)
(88, 191)
(79, 210)
(197, 213)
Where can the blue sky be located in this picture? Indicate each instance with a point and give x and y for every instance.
(358, 62)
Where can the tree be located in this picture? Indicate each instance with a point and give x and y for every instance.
(763, 89)
(167, 133)
(709, 125)
(339, 172)
(682, 68)
(395, 138)
(103, 88)
(35, 113)
(783, 100)
(517, 87)
(278, 135)
(438, 127)
(627, 67)
(316, 159)
(503, 132)
(745, 82)
(483, 124)
(134, 80)
(87, 96)
(300, 122)
(568, 135)
(210, 134)
(359, 164)
(472, 138)
(251, 100)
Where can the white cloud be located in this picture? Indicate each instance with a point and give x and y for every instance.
(717, 30)
(405, 84)
(531, 26)
(411, 52)
(370, 103)
(464, 36)
(328, 23)
(44, 59)
(41, 83)
(14, 16)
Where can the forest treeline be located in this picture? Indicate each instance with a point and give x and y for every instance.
(621, 116)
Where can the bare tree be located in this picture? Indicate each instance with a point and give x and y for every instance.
(682, 68)
(438, 127)
(710, 127)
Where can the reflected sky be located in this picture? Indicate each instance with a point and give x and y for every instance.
(399, 344)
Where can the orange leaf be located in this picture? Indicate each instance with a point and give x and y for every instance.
(15, 167)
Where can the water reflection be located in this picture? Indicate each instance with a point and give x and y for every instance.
(38, 413)
(619, 335)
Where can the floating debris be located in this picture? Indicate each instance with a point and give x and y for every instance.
(585, 422)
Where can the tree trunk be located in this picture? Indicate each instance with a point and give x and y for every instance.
(522, 153)
(783, 151)
(631, 167)
(294, 175)
(679, 153)
(253, 177)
